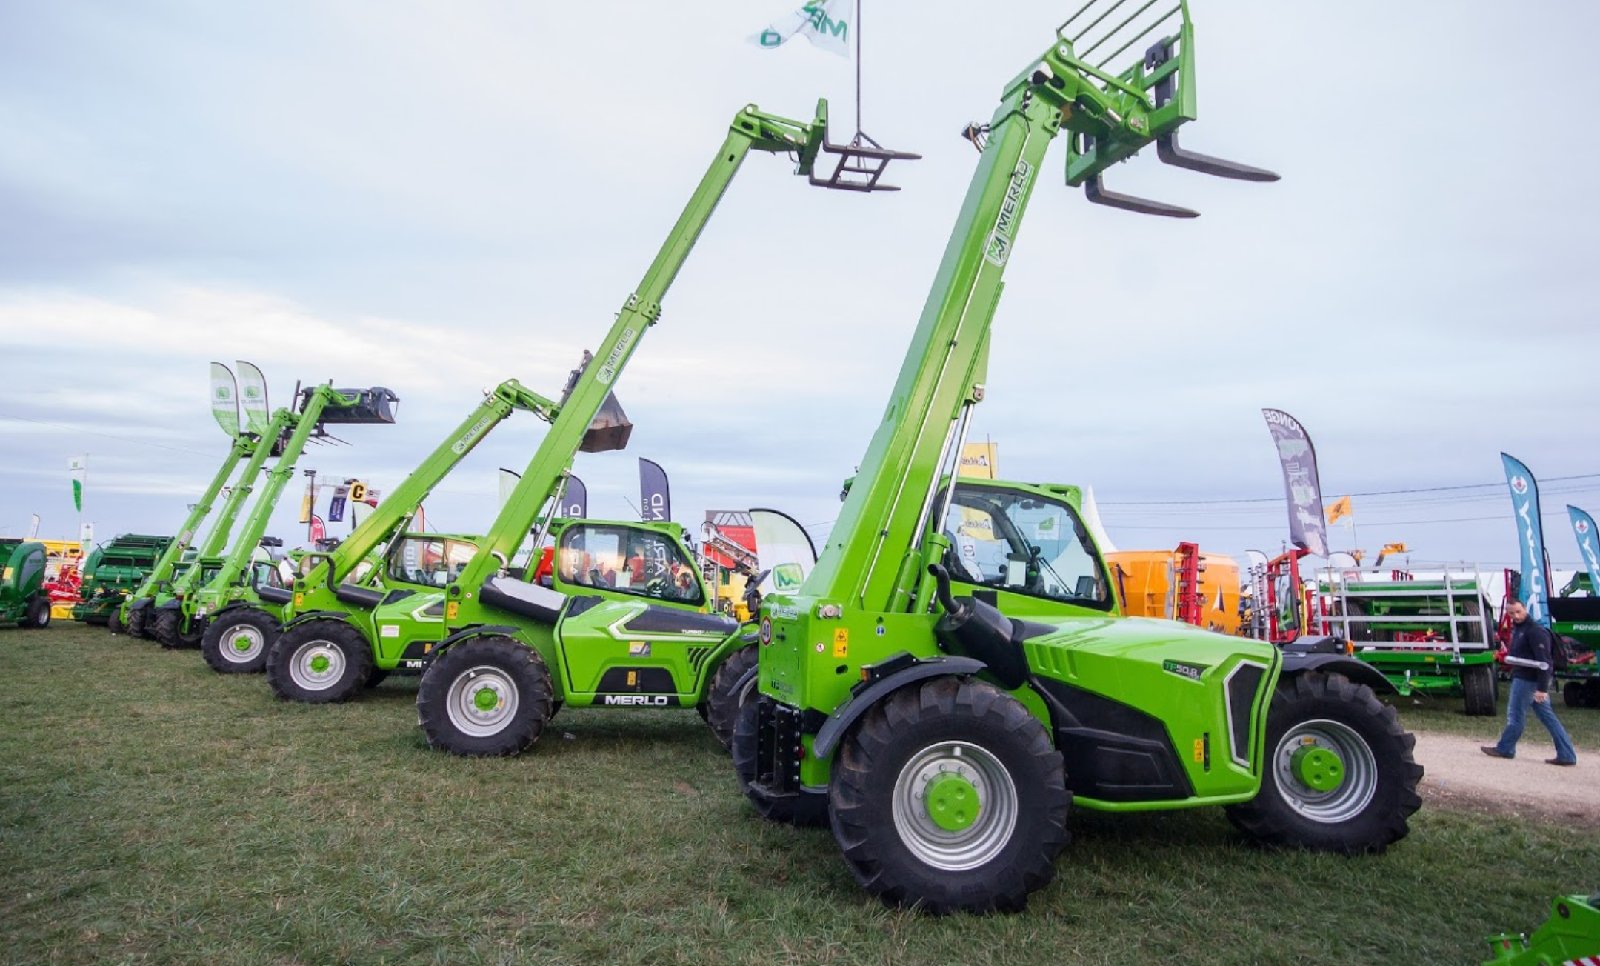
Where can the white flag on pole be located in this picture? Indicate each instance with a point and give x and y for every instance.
(826, 23)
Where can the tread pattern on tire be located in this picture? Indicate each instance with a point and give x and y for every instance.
(721, 704)
(350, 642)
(535, 697)
(1310, 695)
(1478, 690)
(866, 768)
(211, 642)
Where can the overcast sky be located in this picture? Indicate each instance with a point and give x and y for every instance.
(435, 197)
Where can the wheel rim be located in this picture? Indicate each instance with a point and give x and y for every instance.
(317, 665)
(1325, 771)
(482, 700)
(243, 644)
(955, 805)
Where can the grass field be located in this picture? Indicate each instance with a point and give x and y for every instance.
(1444, 715)
(151, 810)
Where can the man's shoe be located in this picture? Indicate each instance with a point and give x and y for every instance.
(1558, 761)
(1493, 752)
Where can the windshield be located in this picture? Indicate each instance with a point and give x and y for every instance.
(1024, 543)
(429, 561)
(641, 562)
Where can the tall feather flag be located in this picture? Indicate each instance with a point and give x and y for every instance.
(78, 466)
(826, 23)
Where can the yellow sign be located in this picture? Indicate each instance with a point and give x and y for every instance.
(978, 460)
(305, 508)
(358, 491)
(1200, 749)
(841, 642)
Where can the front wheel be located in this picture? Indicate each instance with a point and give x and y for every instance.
(114, 621)
(319, 662)
(724, 698)
(38, 615)
(137, 612)
(1338, 774)
(1477, 688)
(485, 696)
(949, 796)
(237, 641)
(168, 630)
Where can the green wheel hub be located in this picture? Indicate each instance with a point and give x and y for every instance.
(953, 802)
(486, 699)
(1317, 768)
(320, 663)
(242, 642)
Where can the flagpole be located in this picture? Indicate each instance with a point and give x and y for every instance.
(858, 66)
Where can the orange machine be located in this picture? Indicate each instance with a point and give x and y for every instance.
(1182, 585)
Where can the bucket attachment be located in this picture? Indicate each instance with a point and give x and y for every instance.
(1112, 114)
(861, 162)
(610, 428)
(375, 405)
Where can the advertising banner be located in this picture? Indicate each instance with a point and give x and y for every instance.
(1299, 461)
(341, 496)
(224, 399)
(253, 399)
(784, 549)
(1535, 585)
(655, 502)
(1588, 544)
(978, 460)
(575, 500)
(826, 23)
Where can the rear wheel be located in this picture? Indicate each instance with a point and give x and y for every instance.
(949, 796)
(1572, 694)
(485, 696)
(724, 698)
(806, 809)
(318, 662)
(1338, 774)
(237, 641)
(114, 622)
(1477, 688)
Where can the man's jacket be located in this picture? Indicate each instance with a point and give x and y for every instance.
(1529, 654)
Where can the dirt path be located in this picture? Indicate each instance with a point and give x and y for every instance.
(1459, 775)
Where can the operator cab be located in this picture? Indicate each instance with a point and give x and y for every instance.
(1028, 543)
(626, 559)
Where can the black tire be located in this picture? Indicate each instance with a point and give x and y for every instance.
(1591, 693)
(807, 810)
(166, 629)
(721, 705)
(37, 616)
(114, 621)
(1368, 810)
(375, 677)
(237, 641)
(137, 619)
(1478, 689)
(1572, 694)
(319, 662)
(970, 735)
(485, 696)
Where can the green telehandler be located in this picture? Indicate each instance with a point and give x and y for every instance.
(622, 613)
(348, 579)
(216, 580)
(134, 612)
(23, 600)
(954, 672)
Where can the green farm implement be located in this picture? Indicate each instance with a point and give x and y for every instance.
(1570, 937)
(113, 571)
(23, 600)
(1425, 636)
(955, 671)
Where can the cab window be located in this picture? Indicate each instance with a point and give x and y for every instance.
(1024, 543)
(429, 561)
(639, 562)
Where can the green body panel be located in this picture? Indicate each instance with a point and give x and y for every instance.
(115, 569)
(22, 565)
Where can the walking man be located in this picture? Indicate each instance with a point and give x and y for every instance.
(1532, 674)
